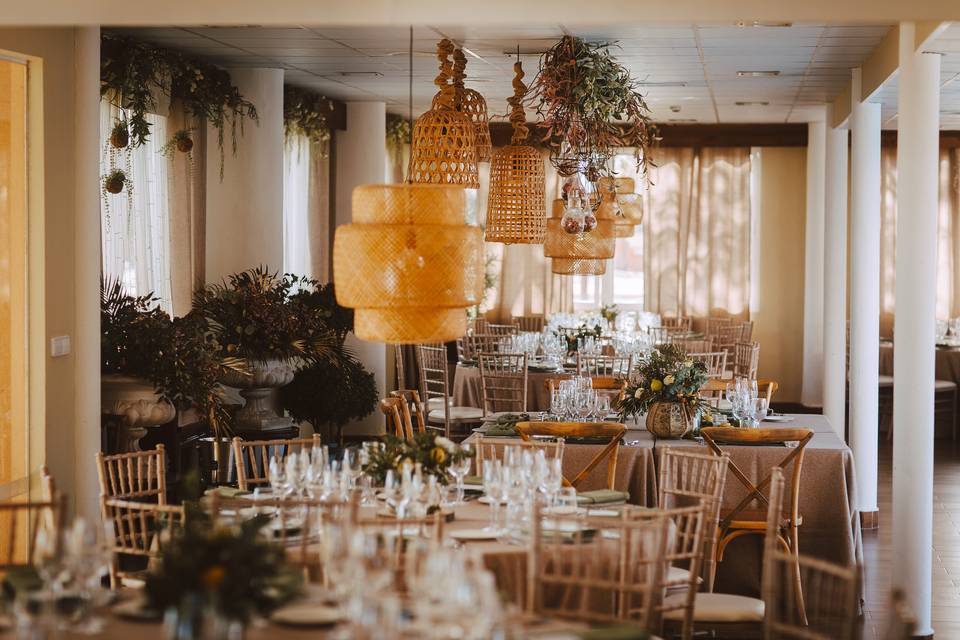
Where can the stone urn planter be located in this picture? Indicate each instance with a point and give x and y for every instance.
(138, 405)
(258, 387)
(671, 419)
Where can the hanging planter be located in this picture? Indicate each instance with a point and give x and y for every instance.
(120, 135)
(116, 181)
(306, 114)
(181, 141)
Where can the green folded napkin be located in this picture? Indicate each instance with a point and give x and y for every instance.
(227, 492)
(602, 496)
(474, 480)
(505, 425)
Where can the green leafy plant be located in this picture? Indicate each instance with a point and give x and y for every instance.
(434, 453)
(181, 140)
(139, 339)
(116, 181)
(609, 312)
(120, 135)
(667, 374)
(574, 336)
(398, 131)
(306, 113)
(590, 107)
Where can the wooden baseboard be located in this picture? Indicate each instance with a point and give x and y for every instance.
(869, 520)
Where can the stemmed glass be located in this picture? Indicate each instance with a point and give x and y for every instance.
(461, 468)
(493, 488)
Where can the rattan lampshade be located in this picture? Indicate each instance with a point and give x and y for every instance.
(574, 267)
(599, 244)
(444, 144)
(621, 189)
(472, 104)
(408, 264)
(516, 211)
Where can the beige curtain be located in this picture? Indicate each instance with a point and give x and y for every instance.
(697, 232)
(525, 284)
(948, 236)
(186, 180)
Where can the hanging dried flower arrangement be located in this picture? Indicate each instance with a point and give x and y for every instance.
(306, 114)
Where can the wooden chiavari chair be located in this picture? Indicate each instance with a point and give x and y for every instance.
(688, 478)
(478, 343)
(614, 366)
(503, 382)
(534, 324)
(715, 361)
(694, 345)
(659, 335)
(252, 457)
(597, 569)
(478, 325)
(489, 448)
(22, 522)
(746, 331)
(140, 475)
(713, 325)
(435, 386)
(610, 431)
(139, 529)
(677, 323)
(501, 330)
(746, 359)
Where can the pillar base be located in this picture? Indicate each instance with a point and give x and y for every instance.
(869, 520)
(927, 637)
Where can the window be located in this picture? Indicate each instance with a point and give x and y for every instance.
(135, 224)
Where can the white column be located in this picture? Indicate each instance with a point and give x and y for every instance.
(812, 391)
(245, 209)
(864, 292)
(913, 373)
(835, 281)
(86, 273)
(361, 159)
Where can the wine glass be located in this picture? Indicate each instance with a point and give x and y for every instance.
(492, 488)
(461, 468)
(760, 410)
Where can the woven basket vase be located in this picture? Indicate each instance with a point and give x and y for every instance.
(516, 206)
(669, 420)
(408, 264)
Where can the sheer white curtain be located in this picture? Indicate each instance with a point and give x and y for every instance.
(306, 209)
(135, 229)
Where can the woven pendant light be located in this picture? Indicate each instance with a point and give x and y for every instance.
(443, 148)
(574, 267)
(408, 264)
(472, 104)
(516, 212)
(618, 193)
(599, 244)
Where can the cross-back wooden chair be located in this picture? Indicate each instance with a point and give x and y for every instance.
(529, 323)
(715, 361)
(252, 457)
(678, 323)
(139, 475)
(687, 478)
(139, 529)
(743, 521)
(503, 382)
(502, 329)
(21, 523)
(601, 365)
(390, 407)
(610, 431)
(435, 387)
(597, 569)
(489, 448)
(412, 411)
(746, 359)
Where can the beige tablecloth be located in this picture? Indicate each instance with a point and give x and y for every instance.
(467, 391)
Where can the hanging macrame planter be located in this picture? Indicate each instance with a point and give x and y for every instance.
(516, 206)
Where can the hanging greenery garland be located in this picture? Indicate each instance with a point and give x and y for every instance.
(133, 73)
(306, 113)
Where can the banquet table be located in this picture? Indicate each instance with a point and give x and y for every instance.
(467, 391)
(946, 367)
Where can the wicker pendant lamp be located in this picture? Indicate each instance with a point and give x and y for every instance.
(408, 264)
(619, 201)
(516, 212)
(472, 104)
(574, 267)
(444, 147)
(599, 244)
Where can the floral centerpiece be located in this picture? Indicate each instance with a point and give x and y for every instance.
(433, 453)
(667, 390)
(573, 336)
(610, 313)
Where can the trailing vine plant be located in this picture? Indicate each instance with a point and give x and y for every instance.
(306, 113)
(133, 73)
(398, 134)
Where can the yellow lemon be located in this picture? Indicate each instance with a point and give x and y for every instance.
(438, 455)
(655, 385)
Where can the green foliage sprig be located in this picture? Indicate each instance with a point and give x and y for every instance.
(610, 312)
(398, 131)
(306, 113)
(590, 107)
(434, 453)
(131, 72)
(667, 374)
(574, 336)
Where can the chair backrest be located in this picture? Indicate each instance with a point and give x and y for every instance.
(767, 389)
(746, 359)
(728, 335)
(21, 524)
(659, 335)
(713, 325)
(398, 362)
(503, 380)
(713, 436)
(432, 361)
(390, 407)
(688, 478)
(417, 419)
(502, 329)
(601, 365)
(597, 570)
(252, 457)
(681, 323)
(478, 325)
(139, 475)
(715, 361)
(491, 448)
(480, 343)
(141, 528)
(529, 323)
(610, 431)
(694, 345)
(746, 331)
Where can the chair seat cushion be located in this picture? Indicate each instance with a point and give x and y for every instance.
(676, 575)
(437, 403)
(885, 380)
(717, 607)
(944, 385)
(458, 413)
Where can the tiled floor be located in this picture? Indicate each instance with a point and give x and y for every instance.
(877, 545)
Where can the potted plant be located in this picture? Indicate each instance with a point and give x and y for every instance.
(610, 313)
(115, 181)
(120, 135)
(181, 141)
(667, 390)
(153, 365)
(255, 316)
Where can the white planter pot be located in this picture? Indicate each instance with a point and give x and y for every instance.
(258, 388)
(137, 402)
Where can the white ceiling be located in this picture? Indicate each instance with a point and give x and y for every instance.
(699, 61)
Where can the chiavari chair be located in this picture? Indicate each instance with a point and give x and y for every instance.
(533, 324)
(687, 478)
(503, 382)
(390, 408)
(659, 335)
(602, 365)
(746, 331)
(612, 432)
(22, 522)
(713, 325)
(677, 323)
(597, 569)
(252, 457)
(435, 386)
(502, 329)
(139, 529)
(746, 359)
(712, 391)
(490, 448)
(140, 475)
(715, 361)
(694, 345)
(416, 419)
(727, 337)
(477, 325)
(480, 343)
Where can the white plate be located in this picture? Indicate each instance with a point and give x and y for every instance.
(603, 513)
(307, 614)
(486, 500)
(473, 534)
(778, 419)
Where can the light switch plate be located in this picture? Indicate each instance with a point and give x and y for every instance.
(59, 346)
